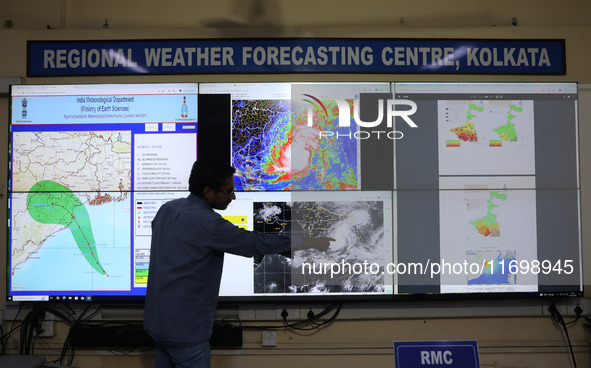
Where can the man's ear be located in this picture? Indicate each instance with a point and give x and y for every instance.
(208, 193)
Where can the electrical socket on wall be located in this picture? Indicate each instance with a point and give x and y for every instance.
(293, 311)
(269, 338)
(46, 329)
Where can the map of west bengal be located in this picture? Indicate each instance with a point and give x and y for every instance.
(488, 225)
(469, 133)
(486, 137)
(65, 184)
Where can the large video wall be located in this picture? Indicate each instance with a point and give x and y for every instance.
(426, 188)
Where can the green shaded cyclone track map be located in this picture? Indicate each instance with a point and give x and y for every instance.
(52, 203)
(70, 211)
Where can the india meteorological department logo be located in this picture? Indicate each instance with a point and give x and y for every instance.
(24, 103)
(344, 114)
(184, 108)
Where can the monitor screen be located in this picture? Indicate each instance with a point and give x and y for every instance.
(360, 222)
(89, 166)
(428, 189)
(296, 136)
(493, 170)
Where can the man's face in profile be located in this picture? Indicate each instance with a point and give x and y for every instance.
(223, 197)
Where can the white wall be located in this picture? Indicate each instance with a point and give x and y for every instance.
(510, 334)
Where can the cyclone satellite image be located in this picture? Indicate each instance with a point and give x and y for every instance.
(274, 149)
(357, 228)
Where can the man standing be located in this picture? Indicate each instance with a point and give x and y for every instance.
(189, 240)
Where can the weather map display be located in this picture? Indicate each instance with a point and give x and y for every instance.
(487, 225)
(274, 146)
(491, 223)
(359, 222)
(81, 156)
(495, 131)
(499, 260)
(338, 219)
(474, 199)
(500, 178)
(61, 232)
(260, 136)
(324, 164)
(325, 155)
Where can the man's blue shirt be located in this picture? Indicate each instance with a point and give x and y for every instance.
(189, 240)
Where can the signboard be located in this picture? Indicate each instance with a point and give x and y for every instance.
(426, 56)
(413, 354)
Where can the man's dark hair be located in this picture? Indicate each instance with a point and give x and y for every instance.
(209, 172)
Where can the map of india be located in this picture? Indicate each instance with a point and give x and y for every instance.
(67, 188)
(87, 161)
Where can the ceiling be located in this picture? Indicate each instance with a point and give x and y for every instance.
(290, 14)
